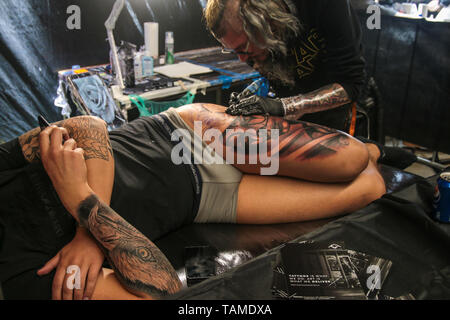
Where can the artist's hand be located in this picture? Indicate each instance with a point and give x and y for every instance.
(257, 105)
(82, 252)
(66, 167)
(235, 97)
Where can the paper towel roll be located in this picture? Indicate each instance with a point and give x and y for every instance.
(152, 38)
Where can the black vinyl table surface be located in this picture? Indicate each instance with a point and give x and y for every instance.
(397, 227)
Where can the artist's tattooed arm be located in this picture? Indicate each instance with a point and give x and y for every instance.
(325, 98)
(138, 264)
(90, 133)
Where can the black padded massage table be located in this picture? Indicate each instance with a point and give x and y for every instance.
(396, 227)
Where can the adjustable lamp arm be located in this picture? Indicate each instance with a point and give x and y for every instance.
(110, 24)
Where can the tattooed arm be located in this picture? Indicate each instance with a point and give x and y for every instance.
(90, 134)
(292, 108)
(325, 98)
(139, 265)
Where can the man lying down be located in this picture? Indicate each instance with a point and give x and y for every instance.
(117, 192)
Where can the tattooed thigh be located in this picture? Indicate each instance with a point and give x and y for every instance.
(287, 139)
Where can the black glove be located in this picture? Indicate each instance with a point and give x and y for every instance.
(234, 98)
(256, 105)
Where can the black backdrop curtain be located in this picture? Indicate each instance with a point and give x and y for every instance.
(35, 43)
(410, 61)
(27, 81)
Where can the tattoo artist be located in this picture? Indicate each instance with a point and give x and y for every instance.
(309, 50)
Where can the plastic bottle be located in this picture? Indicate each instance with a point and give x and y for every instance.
(138, 65)
(170, 43)
(147, 65)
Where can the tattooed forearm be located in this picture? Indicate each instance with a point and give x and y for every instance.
(139, 265)
(328, 97)
(30, 145)
(90, 134)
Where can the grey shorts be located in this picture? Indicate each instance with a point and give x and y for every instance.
(218, 201)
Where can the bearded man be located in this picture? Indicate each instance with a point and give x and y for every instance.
(309, 50)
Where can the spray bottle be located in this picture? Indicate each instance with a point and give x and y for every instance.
(170, 43)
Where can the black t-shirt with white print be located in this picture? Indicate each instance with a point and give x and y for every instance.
(327, 51)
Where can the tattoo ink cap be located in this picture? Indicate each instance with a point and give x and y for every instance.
(170, 43)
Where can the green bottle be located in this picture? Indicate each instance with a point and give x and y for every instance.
(170, 43)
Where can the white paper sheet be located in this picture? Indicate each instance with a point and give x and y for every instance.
(182, 69)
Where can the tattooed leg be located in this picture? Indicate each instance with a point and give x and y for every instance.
(305, 151)
(292, 200)
(138, 264)
(90, 134)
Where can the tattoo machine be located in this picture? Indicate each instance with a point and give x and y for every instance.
(259, 87)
